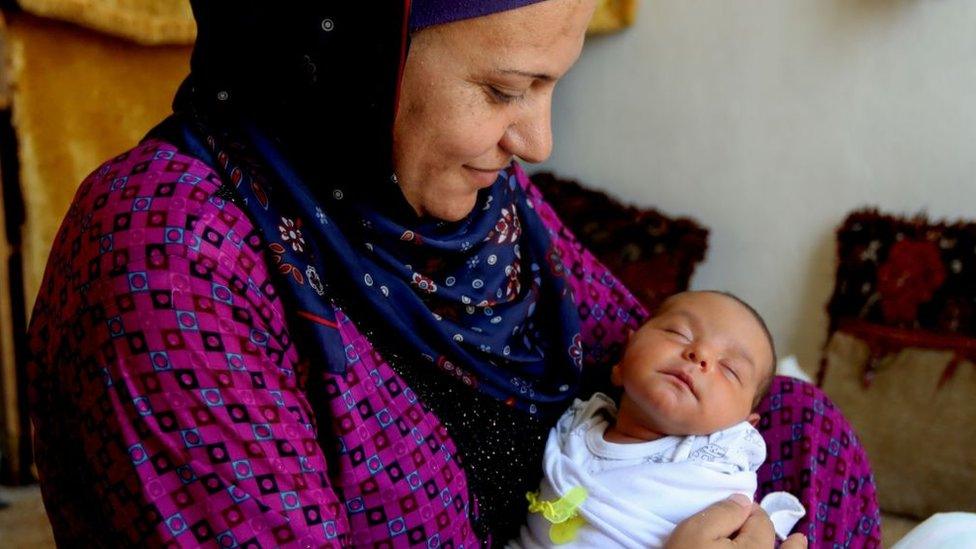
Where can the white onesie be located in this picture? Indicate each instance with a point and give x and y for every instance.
(635, 494)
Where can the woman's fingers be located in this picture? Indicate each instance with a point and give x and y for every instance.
(734, 522)
(796, 541)
(718, 521)
(757, 532)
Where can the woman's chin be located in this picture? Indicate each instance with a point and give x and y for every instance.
(453, 210)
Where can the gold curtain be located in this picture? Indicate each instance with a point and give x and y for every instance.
(78, 97)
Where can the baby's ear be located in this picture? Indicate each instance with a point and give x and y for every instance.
(753, 419)
(615, 375)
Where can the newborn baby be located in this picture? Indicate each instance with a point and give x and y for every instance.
(682, 437)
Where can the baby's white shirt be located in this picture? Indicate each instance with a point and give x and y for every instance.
(735, 449)
(638, 492)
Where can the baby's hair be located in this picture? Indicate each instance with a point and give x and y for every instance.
(767, 380)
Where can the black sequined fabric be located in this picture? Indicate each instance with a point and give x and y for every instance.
(499, 447)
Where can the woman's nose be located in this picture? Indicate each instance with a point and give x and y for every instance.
(530, 135)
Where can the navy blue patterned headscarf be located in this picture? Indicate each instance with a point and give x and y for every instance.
(483, 299)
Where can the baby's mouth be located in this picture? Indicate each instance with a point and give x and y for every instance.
(685, 379)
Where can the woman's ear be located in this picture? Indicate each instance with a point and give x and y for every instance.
(753, 419)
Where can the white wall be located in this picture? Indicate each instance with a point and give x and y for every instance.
(769, 120)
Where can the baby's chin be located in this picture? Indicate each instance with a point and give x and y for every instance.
(670, 412)
(664, 409)
(666, 395)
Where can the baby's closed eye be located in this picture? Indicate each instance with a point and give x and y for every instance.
(678, 331)
(731, 371)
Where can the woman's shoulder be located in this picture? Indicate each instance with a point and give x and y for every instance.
(150, 210)
(150, 179)
(150, 196)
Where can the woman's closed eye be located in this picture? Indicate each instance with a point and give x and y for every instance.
(501, 96)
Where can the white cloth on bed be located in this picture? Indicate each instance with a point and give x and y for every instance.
(942, 531)
(637, 493)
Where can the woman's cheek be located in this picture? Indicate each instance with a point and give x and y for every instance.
(476, 140)
(477, 128)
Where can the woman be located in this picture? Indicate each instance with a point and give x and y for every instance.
(320, 305)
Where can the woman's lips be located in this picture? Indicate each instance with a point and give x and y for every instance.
(484, 177)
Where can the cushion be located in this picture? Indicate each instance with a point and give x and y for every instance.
(654, 255)
(900, 357)
(918, 434)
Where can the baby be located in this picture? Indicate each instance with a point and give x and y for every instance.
(682, 437)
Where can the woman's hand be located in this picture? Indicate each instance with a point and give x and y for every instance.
(736, 516)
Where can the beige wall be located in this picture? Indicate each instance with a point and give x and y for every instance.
(768, 120)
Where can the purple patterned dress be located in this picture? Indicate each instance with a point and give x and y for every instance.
(172, 407)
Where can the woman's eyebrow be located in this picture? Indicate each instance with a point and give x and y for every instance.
(537, 75)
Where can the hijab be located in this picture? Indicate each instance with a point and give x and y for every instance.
(301, 132)
(426, 13)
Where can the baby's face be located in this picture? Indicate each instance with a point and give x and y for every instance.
(695, 367)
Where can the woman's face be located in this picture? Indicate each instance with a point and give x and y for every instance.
(475, 94)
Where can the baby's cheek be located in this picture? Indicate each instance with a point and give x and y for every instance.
(730, 408)
(663, 399)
